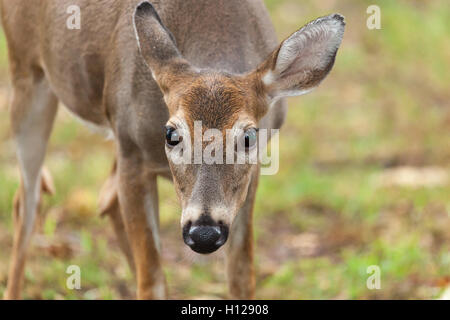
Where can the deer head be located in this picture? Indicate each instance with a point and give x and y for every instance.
(230, 106)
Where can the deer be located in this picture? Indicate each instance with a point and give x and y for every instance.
(144, 73)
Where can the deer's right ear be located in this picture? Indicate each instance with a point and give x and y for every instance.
(157, 45)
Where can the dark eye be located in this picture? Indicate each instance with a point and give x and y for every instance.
(172, 136)
(251, 137)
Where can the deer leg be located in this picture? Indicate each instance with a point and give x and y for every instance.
(240, 270)
(109, 206)
(138, 199)
(33, 112)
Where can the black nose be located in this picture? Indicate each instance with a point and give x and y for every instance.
(205, 236)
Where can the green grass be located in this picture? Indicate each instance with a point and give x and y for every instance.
(325, 217)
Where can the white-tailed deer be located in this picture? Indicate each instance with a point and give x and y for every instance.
(125, 72)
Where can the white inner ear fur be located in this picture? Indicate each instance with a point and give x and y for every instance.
(307, 50)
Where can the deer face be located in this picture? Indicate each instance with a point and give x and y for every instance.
(214, 117)
(210, 115)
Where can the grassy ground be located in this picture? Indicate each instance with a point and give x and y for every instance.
(364, 179)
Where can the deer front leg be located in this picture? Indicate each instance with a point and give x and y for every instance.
(240, 270)
(138, 199)
(109, 206)
(33, 111)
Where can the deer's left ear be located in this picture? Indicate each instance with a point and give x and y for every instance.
(303, 60)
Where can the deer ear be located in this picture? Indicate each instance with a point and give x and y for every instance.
(303, 60)
(157, 44)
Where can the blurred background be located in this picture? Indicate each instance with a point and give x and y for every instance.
(364, 178)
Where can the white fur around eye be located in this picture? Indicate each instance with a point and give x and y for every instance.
(180, 154)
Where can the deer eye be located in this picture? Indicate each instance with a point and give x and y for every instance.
(172, 136)
(251, 137)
